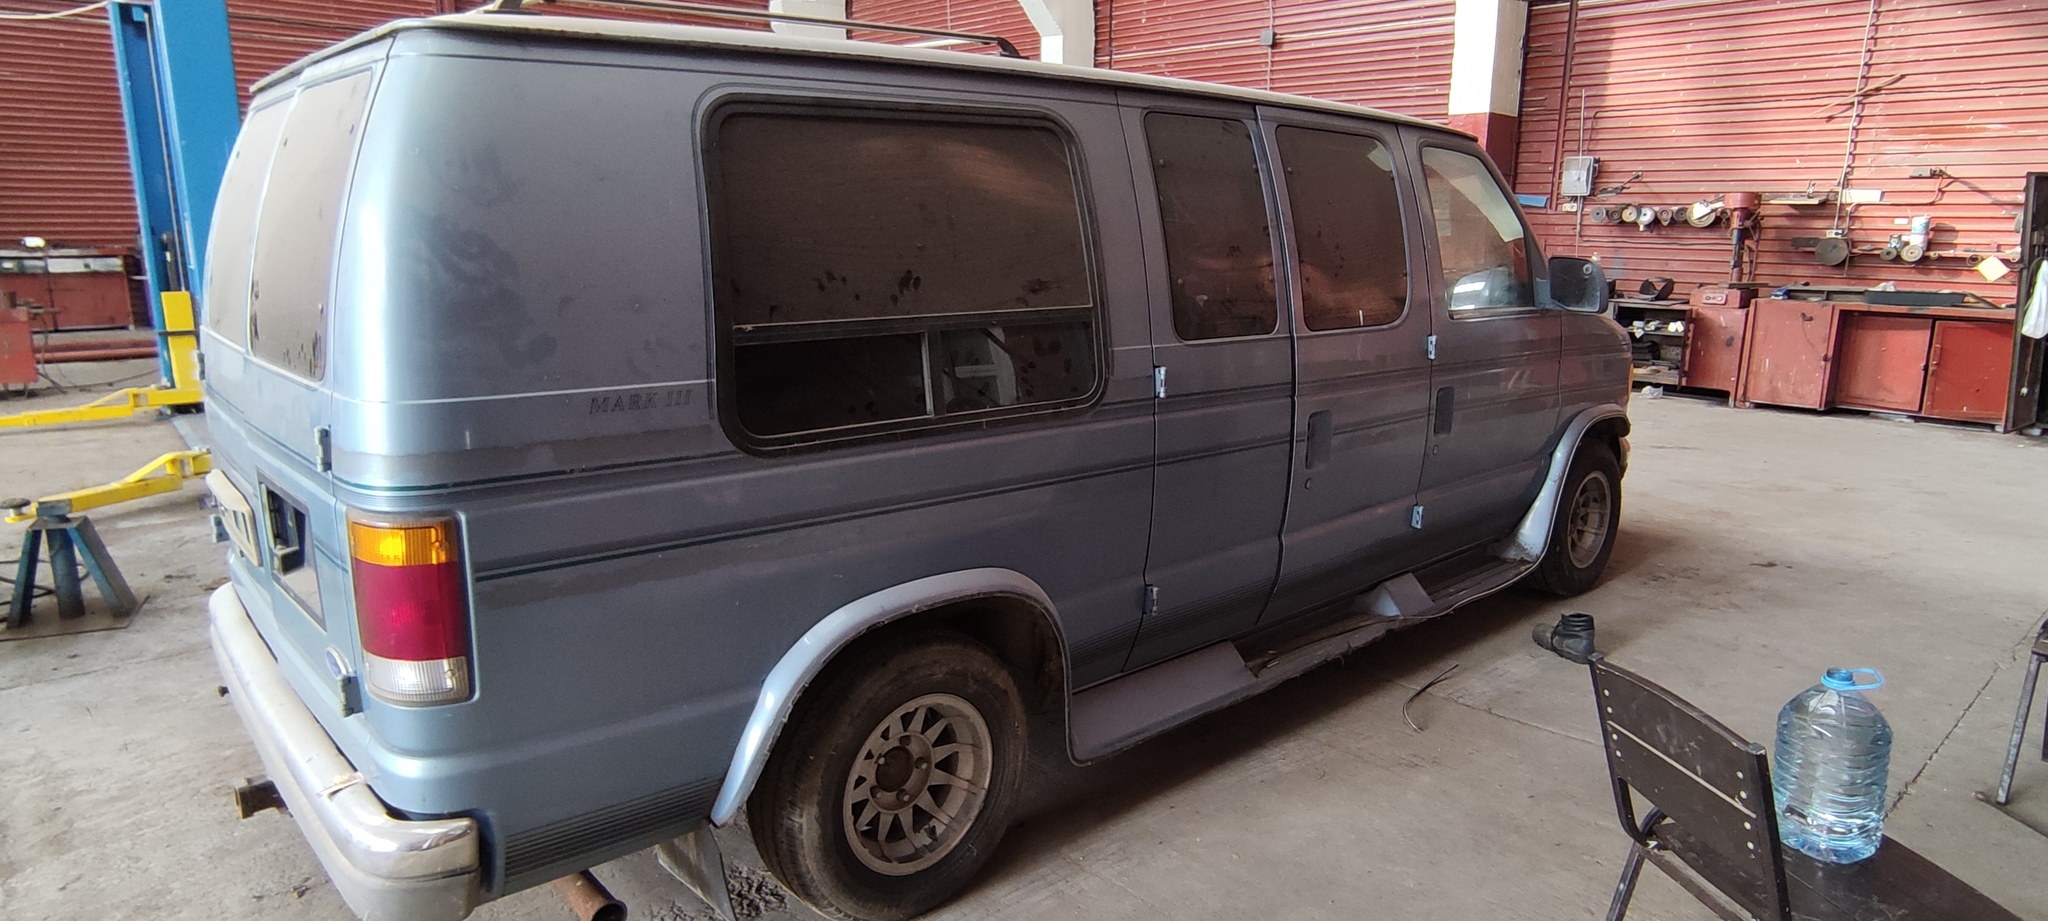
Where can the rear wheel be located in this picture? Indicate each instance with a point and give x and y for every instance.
(896, 780)
(1582, 534)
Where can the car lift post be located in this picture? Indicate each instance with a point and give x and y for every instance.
(175, 69)
(177, 74)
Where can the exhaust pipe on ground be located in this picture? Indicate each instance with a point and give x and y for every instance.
(588, 898)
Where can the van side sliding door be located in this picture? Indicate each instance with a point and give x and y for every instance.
(1494, 394)
(1361, 330)
(1220, 340)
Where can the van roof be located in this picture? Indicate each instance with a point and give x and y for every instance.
(660, 33)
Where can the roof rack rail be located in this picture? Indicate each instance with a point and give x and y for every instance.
(715, 10)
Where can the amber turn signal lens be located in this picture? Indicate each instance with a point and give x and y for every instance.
(401, 545)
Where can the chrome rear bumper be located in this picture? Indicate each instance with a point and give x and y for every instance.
(385, 868)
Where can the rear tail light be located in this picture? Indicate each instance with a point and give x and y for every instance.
(412, 610)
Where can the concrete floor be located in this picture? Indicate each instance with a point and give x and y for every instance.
(1757, 548)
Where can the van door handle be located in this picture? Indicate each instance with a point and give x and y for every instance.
(1318, 438)
(1446, 404)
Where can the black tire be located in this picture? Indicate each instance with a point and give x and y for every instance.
(1572, 563)
(799, 811)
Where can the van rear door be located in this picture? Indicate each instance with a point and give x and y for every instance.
(266, 310)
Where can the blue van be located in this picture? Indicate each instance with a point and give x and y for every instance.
(623, 427)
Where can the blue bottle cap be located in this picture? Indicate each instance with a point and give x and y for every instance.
(1844, 679)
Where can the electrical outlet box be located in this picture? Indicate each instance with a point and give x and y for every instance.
(1577, 179)
(1926, 172)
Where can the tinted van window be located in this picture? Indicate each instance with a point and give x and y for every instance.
(1212, 206)
(1349, 241)
(234, 224)
(1480, 240)
(293, 266)
(924, 268)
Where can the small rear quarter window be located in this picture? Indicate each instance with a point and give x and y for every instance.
(293, 266)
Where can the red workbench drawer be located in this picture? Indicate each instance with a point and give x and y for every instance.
(1713, 349)
(1791, 345)
(17, 348)
(1881, 361)
(1969, 370)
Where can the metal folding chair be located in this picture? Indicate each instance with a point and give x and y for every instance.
(2019, 720)
(1712, 826)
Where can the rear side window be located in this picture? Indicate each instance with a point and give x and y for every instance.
(1480, 241)
(226, 303)
(875, 272)
(1348, 238)
(293, 265)
(1212, 206)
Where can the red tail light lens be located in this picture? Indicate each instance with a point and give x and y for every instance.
(412, 611)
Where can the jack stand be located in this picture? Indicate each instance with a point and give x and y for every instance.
(693, 860)
(71, 541)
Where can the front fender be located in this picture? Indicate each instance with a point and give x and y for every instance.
(794, 671)
(1533, 534)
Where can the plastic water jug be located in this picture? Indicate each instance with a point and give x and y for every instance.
(1834, 752)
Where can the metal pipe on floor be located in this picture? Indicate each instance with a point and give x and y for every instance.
(87, 345)
(588, 898)
(122, 354)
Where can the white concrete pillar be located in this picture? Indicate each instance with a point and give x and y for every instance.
(832, 9)
(1486, 74)
(1066, 30)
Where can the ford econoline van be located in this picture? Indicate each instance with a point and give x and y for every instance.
(622, 428)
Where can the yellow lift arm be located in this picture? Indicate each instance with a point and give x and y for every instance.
(180, 338)
(165, 474)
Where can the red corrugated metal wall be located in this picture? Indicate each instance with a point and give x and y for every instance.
(269, 34)
(63, 152)
(1392, 55)
(997, 17)
(1716, 96)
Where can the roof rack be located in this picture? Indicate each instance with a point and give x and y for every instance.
(727, 12)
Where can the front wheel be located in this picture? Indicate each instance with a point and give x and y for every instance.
(1582, 534)
(896, 781)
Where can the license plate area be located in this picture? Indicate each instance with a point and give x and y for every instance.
(237, 516)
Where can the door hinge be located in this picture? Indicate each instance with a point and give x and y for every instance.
(1415, 517)
(1158, 382)
(1429, 344)
(1151, 601)
(323, 448)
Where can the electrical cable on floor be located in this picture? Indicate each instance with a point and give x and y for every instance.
(34, 591)
(59, 14)
(1446, 673)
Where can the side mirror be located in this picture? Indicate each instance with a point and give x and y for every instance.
(1577, 284)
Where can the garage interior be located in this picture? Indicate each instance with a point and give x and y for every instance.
(1823, 221)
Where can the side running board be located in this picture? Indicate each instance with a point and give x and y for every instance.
(1119, 713)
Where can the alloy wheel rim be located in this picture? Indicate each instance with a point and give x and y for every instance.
(1592, 512)
(916, 785)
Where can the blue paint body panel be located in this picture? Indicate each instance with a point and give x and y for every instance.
(521, 247)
